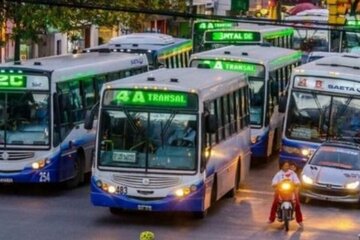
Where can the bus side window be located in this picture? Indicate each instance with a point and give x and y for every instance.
(88, 92)
(211, 136)
(99, 81)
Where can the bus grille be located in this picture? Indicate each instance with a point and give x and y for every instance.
(16, 155)
(146, 182)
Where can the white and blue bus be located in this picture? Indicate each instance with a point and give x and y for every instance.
(269, 70)
(323, 104)
(42, 106)
(168, 142)
(161, 50)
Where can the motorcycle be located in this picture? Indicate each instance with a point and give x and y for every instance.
(285, 211)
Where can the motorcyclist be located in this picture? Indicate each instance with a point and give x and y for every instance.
(285, 173)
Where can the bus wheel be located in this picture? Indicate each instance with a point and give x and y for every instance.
(115, 211)
(200, 214)
(78, 173)
(232, 192)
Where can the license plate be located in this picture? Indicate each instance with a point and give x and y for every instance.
(144, 207)
(6, 180)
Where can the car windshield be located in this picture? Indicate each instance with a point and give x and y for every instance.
(144, 140)
(318, 117)
(337, 157)
(24, 118)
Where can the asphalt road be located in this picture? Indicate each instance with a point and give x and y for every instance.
(31, 213)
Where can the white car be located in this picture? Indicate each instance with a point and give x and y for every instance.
(333, 173)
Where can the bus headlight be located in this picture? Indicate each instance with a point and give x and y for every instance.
(305, 152)
(106, 187)
(352, 185)
(39, 164)
(307, 179)
(182, 192)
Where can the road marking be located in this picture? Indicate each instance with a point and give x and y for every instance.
(256, 192)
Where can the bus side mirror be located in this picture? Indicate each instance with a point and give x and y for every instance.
(89, 119)
(211, 124)
(282, 104)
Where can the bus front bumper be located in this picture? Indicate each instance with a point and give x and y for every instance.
(193, 202)
(29, 176)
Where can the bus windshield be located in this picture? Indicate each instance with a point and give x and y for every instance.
(318, 117)
(148, 140)
(24, 118)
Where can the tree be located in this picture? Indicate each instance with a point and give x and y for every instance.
(33, 20)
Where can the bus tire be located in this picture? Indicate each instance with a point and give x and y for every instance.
(200, 214)
(78, 172)
(115, 211)
(213, 192)
(232, 192)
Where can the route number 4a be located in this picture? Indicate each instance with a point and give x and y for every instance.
(44, 177)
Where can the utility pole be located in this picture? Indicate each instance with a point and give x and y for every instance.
(191, 23)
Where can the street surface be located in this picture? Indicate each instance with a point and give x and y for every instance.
(28, 213)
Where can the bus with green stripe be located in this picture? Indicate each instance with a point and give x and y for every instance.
(162, 50)
(211, 35)
(269, 69)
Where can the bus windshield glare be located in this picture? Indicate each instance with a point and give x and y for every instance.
(256, 74)
(24, 118)
(318, 117)
(148, 140)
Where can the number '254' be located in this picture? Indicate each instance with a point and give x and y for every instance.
(11, 81)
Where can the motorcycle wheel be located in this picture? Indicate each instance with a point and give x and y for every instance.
(286, 219)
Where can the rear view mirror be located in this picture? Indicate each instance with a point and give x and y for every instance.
(211, 124)
(89, 119)
(282, 104)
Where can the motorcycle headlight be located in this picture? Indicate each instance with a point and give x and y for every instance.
(285, 186)
(352, 185)
(307, 179)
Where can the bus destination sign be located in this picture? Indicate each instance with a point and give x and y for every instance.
(232, 37)
(153, 98)
(12, 81)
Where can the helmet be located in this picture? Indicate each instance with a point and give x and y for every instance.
(147, 235)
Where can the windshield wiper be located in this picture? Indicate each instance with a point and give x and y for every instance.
(131, 121)
(166, 127)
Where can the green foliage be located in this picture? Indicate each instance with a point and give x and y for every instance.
(33, 20)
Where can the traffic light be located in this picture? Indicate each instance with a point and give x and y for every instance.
(337, 11)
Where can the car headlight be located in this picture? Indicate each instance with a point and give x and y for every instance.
(352, 185)
(307, 179)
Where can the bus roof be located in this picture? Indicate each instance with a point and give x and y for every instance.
(273, 57)
(60, 62)
(143, 41)
(344, 66)
(208, 83)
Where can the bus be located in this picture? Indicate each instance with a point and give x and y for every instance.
(42, 106)
(269, 70)
(161, 50)
(323, 104)
(245, 34)
(168, 142)
(311, 34)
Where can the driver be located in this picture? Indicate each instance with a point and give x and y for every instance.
(285, 173)
(185, 136)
